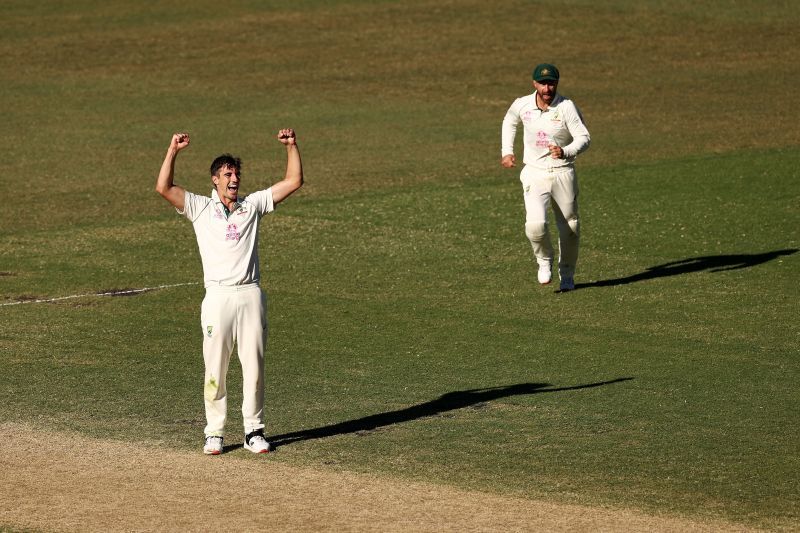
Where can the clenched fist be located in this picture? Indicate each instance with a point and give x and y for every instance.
(287, 136)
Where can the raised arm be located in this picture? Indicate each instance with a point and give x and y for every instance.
(294, 167)
(172, 193)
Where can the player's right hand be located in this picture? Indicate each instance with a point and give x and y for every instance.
(179, 141)
(287, 136)
(509, 161)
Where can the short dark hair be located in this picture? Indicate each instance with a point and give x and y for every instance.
(226, 160)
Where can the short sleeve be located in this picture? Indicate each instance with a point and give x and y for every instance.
(262, 201)
(193, 205)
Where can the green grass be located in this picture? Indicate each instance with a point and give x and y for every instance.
(407, 334)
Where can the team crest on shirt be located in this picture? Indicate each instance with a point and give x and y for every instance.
(218, 214)
(527, 116)
(232, 233)
(543, 139)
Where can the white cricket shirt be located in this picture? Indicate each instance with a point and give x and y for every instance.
(561, 124)
(228, 243)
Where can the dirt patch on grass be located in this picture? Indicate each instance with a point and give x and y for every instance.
(59, 482)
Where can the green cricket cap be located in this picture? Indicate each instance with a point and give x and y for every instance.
(545, 72)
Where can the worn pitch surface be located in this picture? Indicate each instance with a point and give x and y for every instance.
(61, 482)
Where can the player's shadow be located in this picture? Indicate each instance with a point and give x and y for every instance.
(710, 263)
(447, 402)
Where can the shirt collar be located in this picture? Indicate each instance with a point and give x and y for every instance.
(556, 100)
(215, 197)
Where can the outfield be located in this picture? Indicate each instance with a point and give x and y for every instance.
(409, 341)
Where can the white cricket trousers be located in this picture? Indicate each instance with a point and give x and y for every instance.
(561, 186)
(231, 315)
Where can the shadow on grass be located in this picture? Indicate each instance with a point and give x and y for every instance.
(446, 402)
(711, 263)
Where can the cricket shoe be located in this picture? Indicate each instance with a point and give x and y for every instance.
(545, 274)
(567, 284)
(255, 442)
(213, 445)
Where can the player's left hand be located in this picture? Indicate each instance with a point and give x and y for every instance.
(556, 152)
(287, 136)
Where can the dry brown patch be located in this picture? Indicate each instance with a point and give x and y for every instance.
(74, 483)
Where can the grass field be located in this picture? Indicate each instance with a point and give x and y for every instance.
(408, 337)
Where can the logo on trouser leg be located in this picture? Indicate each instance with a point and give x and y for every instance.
(209, 329)
(210, 389)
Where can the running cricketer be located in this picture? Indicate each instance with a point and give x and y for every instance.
(234, 307)
(553, 135)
